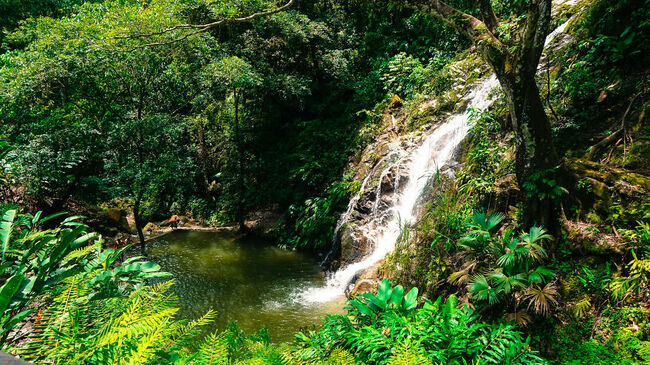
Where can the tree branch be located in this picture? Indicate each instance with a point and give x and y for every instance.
(487, 13)
(200, 28)
(536, 29)
(474, 29)
(461, 21)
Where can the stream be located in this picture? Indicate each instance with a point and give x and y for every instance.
(246, 280)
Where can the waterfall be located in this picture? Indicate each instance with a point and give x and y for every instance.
(420, 161)
(435, 151)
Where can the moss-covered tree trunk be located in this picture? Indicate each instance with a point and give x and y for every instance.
(535, 151)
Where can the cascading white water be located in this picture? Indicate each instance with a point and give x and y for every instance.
(435, 151)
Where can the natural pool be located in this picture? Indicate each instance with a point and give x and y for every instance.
(245, 280)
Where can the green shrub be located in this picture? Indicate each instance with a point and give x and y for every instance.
(439, 332)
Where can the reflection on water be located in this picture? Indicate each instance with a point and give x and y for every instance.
(245, 280)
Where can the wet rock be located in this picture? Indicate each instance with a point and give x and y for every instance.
(107, 221)
(116, 216)
(611, 176)
(365, 286)
(368, 281)
(150, 227)
(366, 205)
(384, 172)
(506, 193)
(353, 247)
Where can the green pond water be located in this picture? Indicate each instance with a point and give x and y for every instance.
(246, 281)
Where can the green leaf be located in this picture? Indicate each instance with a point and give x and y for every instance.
(5, 230)
(397, 297)
(158, 274)
(14, 320)
(449, 306)
(8, 290)
(375, 302)
(411, 300)
(83, 240)
(101, 278)
(48, 217)
(71, 220)
(362, 308)
(26, 287)
(385, 290)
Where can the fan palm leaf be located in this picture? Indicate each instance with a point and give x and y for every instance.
(508, 283)
(481, 289)
(542, 298)
(533, 240)
(484, 221)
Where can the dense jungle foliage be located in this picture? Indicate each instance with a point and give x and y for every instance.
(95, 312)
(260, 113)
(244, 117)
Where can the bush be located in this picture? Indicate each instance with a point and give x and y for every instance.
(438, 332)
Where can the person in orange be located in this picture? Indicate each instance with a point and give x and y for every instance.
(173, 221)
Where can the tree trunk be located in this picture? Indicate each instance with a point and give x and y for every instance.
(138, 224)
(203, 161)
(240, 162)
(535, 152)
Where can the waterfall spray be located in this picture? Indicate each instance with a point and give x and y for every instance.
(436, 150)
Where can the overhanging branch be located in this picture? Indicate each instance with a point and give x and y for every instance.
(461, 21)
(200, 28)
(474, 29)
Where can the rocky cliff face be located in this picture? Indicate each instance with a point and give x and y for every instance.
(386, 167)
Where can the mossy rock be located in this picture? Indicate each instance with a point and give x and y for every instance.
(150, 227)
(608, 188)
(607, 174)
(118, 218)
(594, 218)
(394, 102)
(592, 248)
(638, 156)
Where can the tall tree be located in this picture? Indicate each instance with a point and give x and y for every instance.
(236, 76)
(514, 57)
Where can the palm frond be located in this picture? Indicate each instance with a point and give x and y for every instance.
(520, 317)
(481, 289)
(581, 307)
(485, 221)
(541, 299)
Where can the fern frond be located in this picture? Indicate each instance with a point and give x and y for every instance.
(581, 307)
(80, 252)
(213, 350)
(408, 354)
(186, 332)
(147, 345)
(340, 357)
